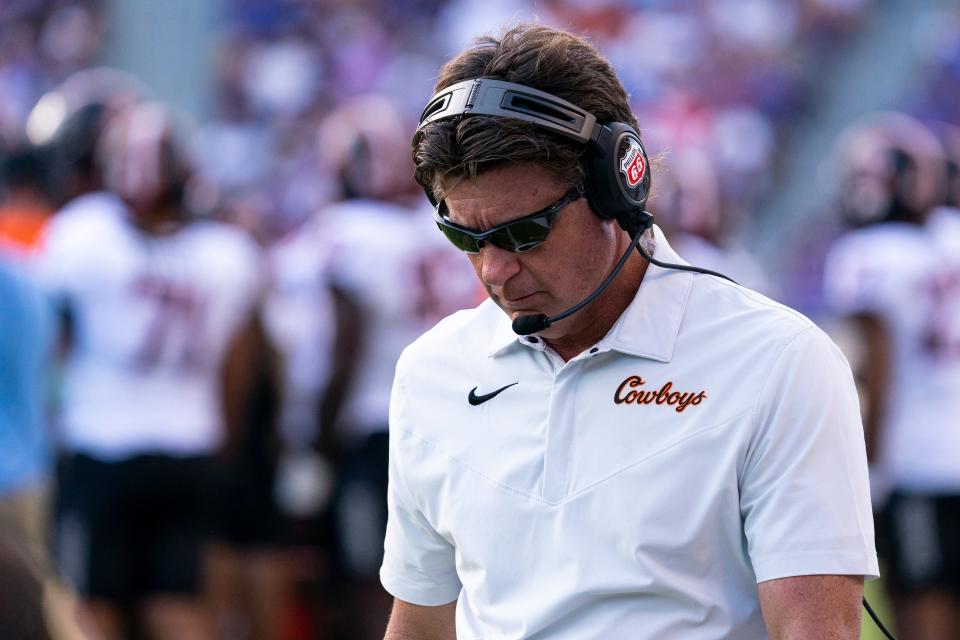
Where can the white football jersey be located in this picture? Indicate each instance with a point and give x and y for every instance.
(944, 226)
(299, 318)
(910, 277)
(406, 277)
(153, 317)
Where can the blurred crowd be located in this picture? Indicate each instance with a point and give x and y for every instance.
(199, 318)
(730, 78)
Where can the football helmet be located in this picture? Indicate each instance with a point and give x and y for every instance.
(70, 119)
(145, 157)
(890, 167)
(364, 144)
(687, 196)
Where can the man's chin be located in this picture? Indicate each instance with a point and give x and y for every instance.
(514, 311)
(547, 334)
(513, 314)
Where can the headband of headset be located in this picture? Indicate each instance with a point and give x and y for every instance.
(615, 164)
(488, 97)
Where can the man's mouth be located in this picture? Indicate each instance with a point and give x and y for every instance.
(518, 299)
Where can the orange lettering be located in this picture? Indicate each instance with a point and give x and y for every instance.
(665, 395)
(632, 381)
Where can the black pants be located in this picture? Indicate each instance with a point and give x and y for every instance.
(360, 508)
(134, 527)
(920, 539)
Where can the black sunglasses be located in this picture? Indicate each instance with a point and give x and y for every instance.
(522, 234)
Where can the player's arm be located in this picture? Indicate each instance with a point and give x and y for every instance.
(803, 607)
(348, 341)
(64, 327)
(876, 377)
(247, 357)
(415, 622)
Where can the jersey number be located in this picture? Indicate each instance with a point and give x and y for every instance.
(175, 330)
(941, 335)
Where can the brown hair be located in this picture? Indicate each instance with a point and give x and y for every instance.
(536, 56)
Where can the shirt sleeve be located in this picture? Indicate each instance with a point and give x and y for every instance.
(804, 489)
(419, 564)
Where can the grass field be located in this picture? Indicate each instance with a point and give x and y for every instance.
(878, 600)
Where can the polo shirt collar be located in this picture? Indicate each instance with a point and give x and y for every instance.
(647, 328)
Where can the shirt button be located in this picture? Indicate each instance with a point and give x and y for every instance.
(532, 340)
(594, 350)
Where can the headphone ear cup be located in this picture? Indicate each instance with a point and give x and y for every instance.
(617, 175)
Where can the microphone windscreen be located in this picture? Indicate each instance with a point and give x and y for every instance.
(525, 325)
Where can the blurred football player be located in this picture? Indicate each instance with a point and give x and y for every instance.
(157, 376)
(891, 276)
(314, 329)
(69, 121)
(268, 549)
(688, 194)
(403, 278)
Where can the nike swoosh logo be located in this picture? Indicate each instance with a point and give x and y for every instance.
(474, 399)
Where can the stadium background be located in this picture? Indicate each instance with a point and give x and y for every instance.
(763, 87)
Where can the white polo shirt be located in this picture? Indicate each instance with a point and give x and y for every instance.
(710, 441)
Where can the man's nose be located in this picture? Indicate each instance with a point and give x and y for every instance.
(497, 265)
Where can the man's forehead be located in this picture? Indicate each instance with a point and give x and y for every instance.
(503, 193)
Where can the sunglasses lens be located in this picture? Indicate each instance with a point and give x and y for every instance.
(522, 236)
(460, 239)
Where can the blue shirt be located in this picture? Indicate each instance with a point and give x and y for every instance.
(24, 342)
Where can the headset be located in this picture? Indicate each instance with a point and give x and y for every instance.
(615, 165)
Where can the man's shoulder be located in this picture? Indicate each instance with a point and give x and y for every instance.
(87, 225)
(730, 308)
(879, 245)
(869, 269)
(747, 335)
(460, 337)
(91, 206)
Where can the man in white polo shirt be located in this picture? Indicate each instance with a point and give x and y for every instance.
(678, 458)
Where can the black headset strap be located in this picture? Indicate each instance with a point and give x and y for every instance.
(490, 97)
(502, 99)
